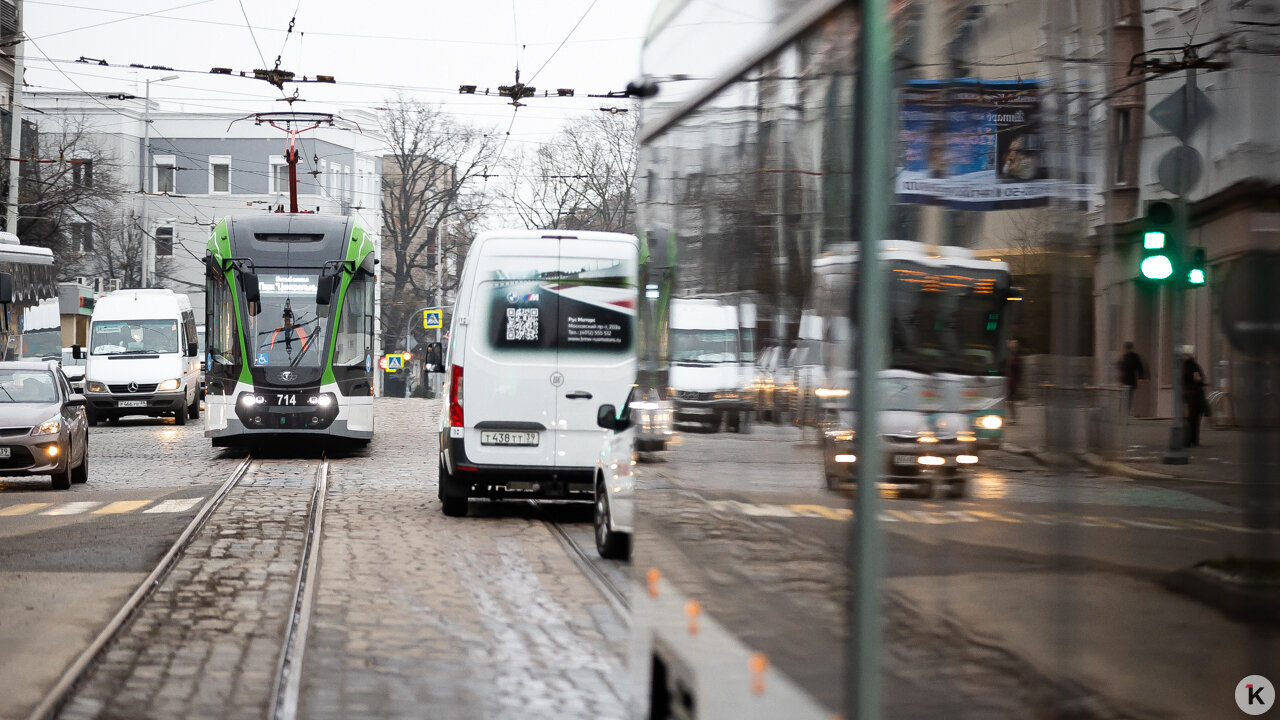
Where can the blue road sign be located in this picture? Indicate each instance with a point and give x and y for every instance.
(432, 319)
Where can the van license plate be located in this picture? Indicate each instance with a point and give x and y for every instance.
(133, 403)
(5, 453)
(489, 437)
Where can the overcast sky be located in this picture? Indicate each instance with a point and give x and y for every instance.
(374, 49)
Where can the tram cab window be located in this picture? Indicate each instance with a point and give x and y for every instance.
(355, 323)
(222, 338)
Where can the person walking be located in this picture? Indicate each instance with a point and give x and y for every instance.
(1013, 383)
(1132, 371)
(1193, 400)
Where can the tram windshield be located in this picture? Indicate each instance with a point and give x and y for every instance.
(289, 331)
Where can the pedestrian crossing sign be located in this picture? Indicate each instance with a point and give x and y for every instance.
(432, 319)
(395, 361)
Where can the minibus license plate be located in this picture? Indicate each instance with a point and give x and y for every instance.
(133, 403)
(490, 437)
(5, 453)
(904, 459)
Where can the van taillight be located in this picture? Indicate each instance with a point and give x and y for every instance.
(455, 396)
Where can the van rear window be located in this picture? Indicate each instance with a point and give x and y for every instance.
(588, 305)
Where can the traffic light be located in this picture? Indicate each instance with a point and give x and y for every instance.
(1159, 243)
(1195, 274)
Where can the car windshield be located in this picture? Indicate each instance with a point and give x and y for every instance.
(703, 346)
(134, 337)
(288, 332)
(27, 386)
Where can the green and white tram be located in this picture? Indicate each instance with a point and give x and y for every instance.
(289, 328)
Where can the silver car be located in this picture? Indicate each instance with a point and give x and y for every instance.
(43, 429)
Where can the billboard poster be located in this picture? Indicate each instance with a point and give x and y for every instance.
(973, 145)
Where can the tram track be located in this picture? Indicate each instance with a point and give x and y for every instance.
(285, 690)
(587, 563)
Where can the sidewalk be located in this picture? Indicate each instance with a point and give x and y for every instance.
(1145, 440)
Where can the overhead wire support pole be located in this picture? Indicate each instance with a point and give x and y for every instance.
(15, 127)
(872, 137)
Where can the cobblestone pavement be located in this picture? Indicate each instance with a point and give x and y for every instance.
(419, 615)
(207, 642)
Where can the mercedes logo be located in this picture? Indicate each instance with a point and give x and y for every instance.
(133, 387)
(288, 375)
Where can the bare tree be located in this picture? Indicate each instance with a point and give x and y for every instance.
(69, 186)
(433, 183)
(584, 179)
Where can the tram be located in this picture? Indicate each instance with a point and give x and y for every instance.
(289, 328)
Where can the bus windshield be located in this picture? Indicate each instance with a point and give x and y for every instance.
(947, 319)
(288, 332)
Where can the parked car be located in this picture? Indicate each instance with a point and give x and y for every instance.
(615, 482)
(43, 429)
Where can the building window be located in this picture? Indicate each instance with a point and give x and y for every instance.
(164, 241)
(82, 172)
(166, 174)
(81, 237)
(219, 174)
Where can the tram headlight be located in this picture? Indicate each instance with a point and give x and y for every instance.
(323, 400)
(169, 385)
(249, 399)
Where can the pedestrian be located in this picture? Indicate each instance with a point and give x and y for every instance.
(1193, 400)
(1013, 383)
(1132, 371)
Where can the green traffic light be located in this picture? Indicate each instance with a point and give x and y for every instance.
(1196, 276)
(1156, 267)
(1153, 240)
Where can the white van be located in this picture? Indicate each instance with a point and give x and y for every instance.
(707, 376)
(142, 357)
(542, 336)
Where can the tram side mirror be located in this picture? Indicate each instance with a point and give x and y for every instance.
(325, 289)
(249, 281)
(212, 267)
(6, 288)
(77, 353)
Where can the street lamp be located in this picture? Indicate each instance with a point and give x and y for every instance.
(148, 244)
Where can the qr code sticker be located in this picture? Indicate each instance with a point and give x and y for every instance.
(522, 324)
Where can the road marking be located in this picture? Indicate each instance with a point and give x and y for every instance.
(23, 509)
(822, 511)
(993, 516)
(172, 506)
(72, 508)
(121, 506)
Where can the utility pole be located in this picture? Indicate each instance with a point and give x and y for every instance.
(15, 128)
(148, 241)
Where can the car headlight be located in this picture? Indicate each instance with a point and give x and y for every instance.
(52, 426)
(991, 422)
(169, 385)
(95, 386)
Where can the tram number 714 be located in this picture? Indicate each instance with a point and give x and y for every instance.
(290, 399)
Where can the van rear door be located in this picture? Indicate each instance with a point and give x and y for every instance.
(596, 340)
(509, 399)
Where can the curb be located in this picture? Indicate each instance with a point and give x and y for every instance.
(1232, 599)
